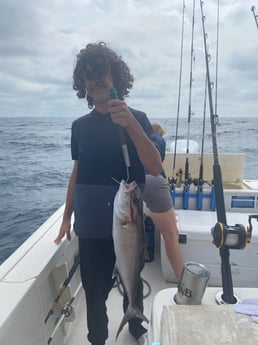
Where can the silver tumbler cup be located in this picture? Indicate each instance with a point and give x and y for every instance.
(192, 284)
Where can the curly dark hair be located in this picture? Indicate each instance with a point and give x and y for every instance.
(93, 63)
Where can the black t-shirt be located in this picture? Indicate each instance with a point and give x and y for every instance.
(96, 145)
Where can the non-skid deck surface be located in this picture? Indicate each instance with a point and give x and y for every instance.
(153, 275)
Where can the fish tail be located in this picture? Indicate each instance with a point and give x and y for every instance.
(131, 312)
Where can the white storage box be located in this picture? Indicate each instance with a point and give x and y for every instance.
(195, 228)
(207, 323)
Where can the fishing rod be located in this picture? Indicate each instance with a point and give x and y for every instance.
(112, 93)
(217, 63)
(188, 180)
(173, 180)
(213, 198)
(228, 295)
(65, 284)
(255, 15)
(66, 312)
(225, 237)
(199, 182)
(216, 166)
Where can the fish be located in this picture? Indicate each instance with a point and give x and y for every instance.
(129, 245)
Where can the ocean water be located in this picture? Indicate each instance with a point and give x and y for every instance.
(35, 165)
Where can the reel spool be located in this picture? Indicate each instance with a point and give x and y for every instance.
(232, 237)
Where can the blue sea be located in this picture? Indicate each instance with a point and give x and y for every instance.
(35, 165)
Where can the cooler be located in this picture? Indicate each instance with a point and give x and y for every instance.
(196, 245)
(208, 323)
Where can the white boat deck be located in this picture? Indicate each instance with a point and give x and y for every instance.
(152, 273)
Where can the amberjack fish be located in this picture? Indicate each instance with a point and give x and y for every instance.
(129, 243)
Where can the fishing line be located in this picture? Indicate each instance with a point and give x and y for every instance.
(228, 295)
(121, 290)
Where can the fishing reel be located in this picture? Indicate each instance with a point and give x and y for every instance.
(176, 181)
(199, 182)
(232, 237)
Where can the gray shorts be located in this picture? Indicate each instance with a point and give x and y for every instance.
(156, 194)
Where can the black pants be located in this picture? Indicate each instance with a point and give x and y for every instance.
(97, 260)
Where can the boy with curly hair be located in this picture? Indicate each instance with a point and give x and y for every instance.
(98, 161)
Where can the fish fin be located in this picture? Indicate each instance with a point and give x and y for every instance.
(131, 313)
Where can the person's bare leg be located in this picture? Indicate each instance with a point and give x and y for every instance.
(166, 223)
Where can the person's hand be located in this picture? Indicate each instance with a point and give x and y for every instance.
(120, 113)
(65, 230)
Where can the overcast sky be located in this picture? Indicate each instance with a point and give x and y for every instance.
(39, 41)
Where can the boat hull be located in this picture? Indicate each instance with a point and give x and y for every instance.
(30, 280)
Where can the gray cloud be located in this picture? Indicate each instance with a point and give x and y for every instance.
(39, 41)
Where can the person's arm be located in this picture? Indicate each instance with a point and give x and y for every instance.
(147, 152)
(160, 143)
(66, 223)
